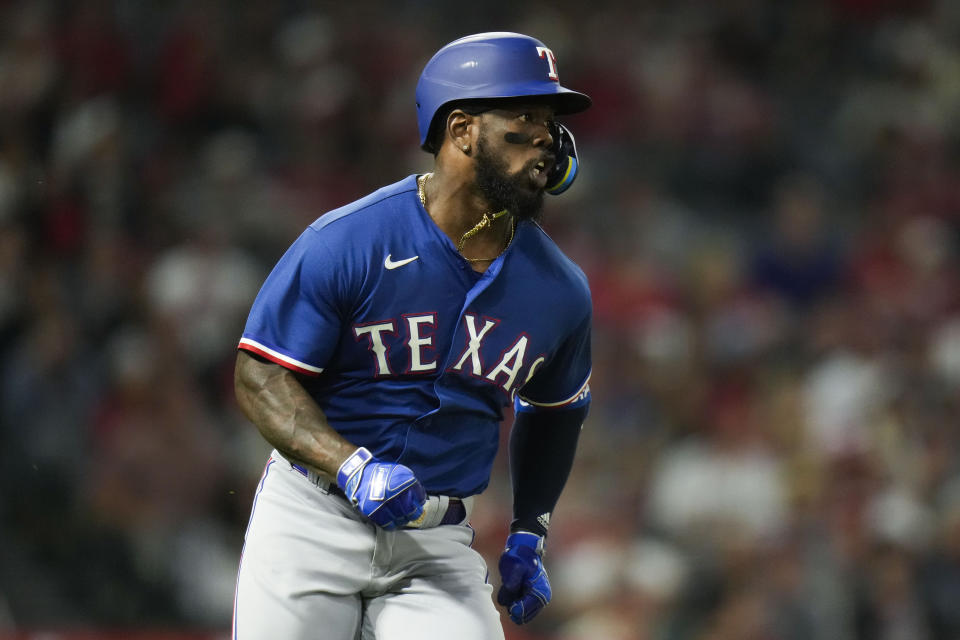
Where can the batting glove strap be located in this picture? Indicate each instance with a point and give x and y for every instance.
(387, 493)
(350, 472)
(525, 587)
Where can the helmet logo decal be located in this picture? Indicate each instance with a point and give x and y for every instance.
(551, 61)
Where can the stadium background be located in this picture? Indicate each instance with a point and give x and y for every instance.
(767, 213)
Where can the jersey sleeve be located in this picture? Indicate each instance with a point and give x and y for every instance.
(295, 320)
(563, 381)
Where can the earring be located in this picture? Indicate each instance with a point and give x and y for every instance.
(465, 148)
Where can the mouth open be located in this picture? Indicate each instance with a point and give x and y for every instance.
(539, 172)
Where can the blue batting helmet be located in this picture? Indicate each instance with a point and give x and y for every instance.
(487, 66)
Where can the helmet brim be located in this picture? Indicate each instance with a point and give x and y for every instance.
(569, 102)
(563, 101)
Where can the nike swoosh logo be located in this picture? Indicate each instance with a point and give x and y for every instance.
(390, 264)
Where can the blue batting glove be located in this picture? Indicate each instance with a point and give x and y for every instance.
(385, 492)
(525, 587)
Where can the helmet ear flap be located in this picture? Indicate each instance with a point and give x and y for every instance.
(564, 171)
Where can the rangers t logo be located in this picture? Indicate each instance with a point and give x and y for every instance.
(551, 62)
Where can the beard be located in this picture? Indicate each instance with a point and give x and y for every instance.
(503, 190)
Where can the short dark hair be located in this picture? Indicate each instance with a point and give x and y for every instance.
(438, 126)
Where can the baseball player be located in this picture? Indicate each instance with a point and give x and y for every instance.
(381, 352)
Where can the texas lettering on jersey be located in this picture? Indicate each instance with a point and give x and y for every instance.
(414, 338)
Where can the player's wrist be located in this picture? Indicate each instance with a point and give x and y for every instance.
(529, 523)
(352, 468)
(529, 539)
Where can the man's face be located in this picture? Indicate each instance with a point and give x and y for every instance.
(514, 157)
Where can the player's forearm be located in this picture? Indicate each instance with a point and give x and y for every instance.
(288, 418)
(542, 448)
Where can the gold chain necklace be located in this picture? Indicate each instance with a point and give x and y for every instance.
(485, 222)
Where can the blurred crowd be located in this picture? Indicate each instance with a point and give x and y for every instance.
(767, 213)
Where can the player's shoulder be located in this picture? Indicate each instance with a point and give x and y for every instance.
(552, 263)
(363, 215)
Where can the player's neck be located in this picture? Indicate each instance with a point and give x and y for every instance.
(466, 218)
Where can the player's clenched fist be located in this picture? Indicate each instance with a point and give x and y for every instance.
(387, 493)
(525, 588)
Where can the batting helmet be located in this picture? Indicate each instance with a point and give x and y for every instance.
(491, 65)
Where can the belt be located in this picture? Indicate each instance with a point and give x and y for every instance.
(437, 511)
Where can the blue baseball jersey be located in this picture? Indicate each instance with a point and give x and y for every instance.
(411, 353)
